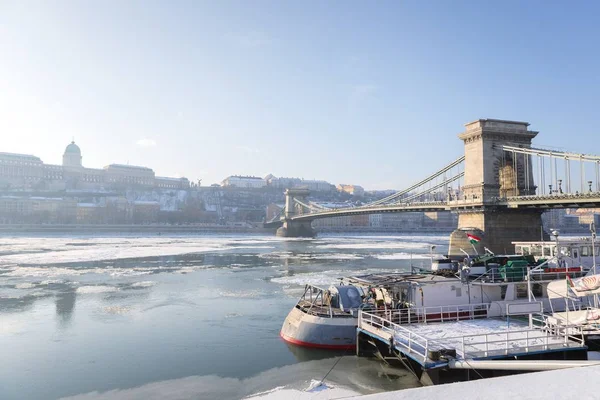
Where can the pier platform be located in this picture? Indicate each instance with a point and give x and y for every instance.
(461, 333)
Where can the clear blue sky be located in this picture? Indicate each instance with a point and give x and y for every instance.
(371, 93)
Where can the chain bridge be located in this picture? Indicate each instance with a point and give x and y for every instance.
(499, 188)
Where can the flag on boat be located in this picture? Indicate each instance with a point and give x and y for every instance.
(473, 239)
(578, 287)
(570, 286)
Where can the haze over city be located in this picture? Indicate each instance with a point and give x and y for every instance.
(342, 92)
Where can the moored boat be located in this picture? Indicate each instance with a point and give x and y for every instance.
(324, 319)
(327, 318)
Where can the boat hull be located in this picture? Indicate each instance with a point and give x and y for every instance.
(309, 330)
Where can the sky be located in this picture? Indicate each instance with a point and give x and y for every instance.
(367, 93)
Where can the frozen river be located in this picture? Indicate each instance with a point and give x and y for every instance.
(182, 317)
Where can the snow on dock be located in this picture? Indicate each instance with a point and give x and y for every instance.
(484, 337)
(466, 334)
(565, 384)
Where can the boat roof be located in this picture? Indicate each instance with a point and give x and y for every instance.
(562, 240)
(383, 279)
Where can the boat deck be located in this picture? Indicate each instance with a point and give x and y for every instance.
(467, 337)
(322, 310)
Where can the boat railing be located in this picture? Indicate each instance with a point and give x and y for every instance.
(540, 336)
(541, 272)
(415, 315)
(313, 301)
(412, 342)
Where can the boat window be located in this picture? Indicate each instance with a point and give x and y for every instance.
(349, 297)
(575, 253)
(585, 251)
(537, 290)
(525, 251)
(547, 251)
(519, 249)
(536, 251)
(521, 290)
(565, 251)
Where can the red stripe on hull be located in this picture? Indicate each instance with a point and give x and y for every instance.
(316, 345)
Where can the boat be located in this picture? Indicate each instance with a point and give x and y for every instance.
(324, 319)
(570, 252)
(327, 318)
(581, 306)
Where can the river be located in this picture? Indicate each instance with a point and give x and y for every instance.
(183, 316)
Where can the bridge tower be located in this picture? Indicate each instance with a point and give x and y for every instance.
(291, 228)
(490, 174)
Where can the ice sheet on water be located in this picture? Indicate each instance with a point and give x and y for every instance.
(402, 256)
(281, 255)
(25, 285)
(143, 284)
(244, 294)
(326, 278)
(58, 250)
(375, 245)
(289, 382)
(95, 289)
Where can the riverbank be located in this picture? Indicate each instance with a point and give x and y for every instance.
(150, 229)
(198, 228)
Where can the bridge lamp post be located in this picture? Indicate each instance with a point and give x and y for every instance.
(560, 186)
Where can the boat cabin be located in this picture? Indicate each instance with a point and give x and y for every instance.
(573, 252)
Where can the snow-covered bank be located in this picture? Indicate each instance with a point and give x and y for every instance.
(566, 384)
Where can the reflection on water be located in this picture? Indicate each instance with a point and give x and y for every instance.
(306, 354)
(65, 305)
(200, 315)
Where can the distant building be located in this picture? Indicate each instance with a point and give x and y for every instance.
(375, 220)
(14, 209)
(145, 211)
(252, 182)
(313, 185)
(273, 210)
(440, 219)
(89, 213)
(354, 190)
(22, 171)
(403, 220)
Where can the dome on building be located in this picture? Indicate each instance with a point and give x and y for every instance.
(72, 148)
(72, 156)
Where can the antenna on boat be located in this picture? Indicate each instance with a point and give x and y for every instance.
(541, 233)
(593, 230)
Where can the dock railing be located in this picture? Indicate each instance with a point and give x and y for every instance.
(415, 315)
(543, 336)
(411, 342)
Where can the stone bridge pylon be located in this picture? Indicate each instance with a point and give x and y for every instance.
(492, 173)
(294, 200)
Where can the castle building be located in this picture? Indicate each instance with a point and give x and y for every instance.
(22, 171)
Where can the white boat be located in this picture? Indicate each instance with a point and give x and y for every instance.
(324, 319)
(573, 252)
(328, 318)
(581, 306)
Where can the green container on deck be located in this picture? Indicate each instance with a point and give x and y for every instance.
(514, 270)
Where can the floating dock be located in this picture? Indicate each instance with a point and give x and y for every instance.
(453, 343)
